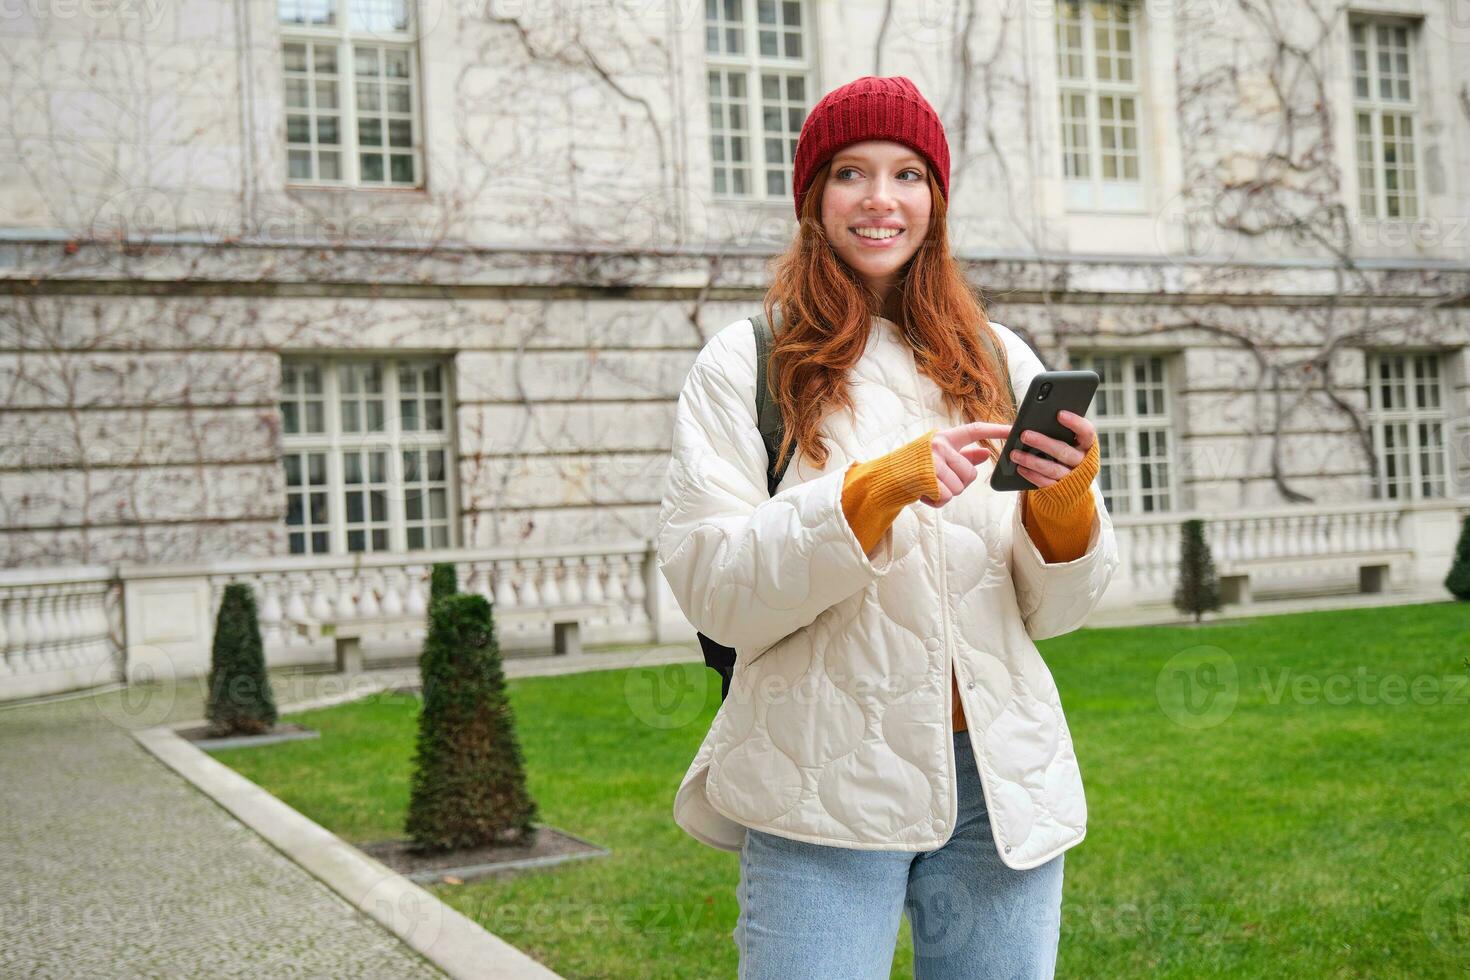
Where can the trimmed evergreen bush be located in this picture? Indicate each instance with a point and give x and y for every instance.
(441, 582)
(240, 698)
(1198, 589)
(468, 787)
(1458, 581)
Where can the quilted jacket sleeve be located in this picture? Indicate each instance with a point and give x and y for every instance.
(747, 569)
(1056, 598)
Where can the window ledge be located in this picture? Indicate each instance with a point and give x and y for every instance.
(420, 192)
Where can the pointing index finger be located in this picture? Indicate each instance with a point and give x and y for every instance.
(971, 431)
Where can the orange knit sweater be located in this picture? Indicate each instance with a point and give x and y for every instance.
(1058, 518)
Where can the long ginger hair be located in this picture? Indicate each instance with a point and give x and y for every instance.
(826, 312)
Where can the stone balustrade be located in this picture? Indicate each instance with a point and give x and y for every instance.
(60, 630)
(65, 629)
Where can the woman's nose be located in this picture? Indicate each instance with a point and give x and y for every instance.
(881, 192)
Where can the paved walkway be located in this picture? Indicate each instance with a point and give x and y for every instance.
(113, 866)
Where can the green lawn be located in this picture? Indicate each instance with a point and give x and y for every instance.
(1280, 796)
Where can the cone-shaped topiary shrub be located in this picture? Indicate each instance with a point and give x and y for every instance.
(441, 582)
(468, 787)
(1198, 589)
(1458, 581)
(240, 699)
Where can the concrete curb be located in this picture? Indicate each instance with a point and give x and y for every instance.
(448, 939)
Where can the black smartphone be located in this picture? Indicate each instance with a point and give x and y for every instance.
(1050, 392)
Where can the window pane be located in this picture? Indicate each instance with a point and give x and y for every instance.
(313, 13)
(365, 61)
(299, 164)
(379, 15)
(368, 99)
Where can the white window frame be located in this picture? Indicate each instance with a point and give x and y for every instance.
(1412, 419)
(789, 107)
(1374, 110)
(345, 39)
(1131, 428)
(391, 439)
(1094, 192)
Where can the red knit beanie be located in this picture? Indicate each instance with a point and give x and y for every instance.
(871, 108)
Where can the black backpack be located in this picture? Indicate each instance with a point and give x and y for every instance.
(717, 656)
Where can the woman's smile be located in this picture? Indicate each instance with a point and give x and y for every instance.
(868, 242)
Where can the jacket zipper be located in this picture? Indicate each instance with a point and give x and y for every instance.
(951, 687)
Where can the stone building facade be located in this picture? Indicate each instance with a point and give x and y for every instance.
(328, 278)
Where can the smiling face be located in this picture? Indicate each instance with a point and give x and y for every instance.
(874, 188)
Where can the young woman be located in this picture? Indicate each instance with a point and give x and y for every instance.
(892, 741)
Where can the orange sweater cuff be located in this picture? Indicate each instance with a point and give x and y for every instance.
(1059, 517)
(874, 492)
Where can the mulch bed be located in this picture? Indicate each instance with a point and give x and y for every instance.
(201, 733)
(547, 846)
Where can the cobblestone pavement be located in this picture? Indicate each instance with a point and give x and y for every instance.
(113, 866)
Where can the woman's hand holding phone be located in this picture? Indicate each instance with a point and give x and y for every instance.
(1064, 458)
(956, 459)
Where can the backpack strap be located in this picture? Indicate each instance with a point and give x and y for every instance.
(767, 412)
(1005, 370)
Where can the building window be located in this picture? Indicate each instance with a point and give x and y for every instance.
(1098, 58)
(1384, 109)
(366, 446)
(758, 60)
(1406, 412)
(1132, 414)
(351, 90)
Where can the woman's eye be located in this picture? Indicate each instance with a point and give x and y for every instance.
(918, 175)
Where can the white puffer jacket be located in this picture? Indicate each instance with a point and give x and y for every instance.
(837, 726)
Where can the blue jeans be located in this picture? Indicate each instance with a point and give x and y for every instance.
(810, 911)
